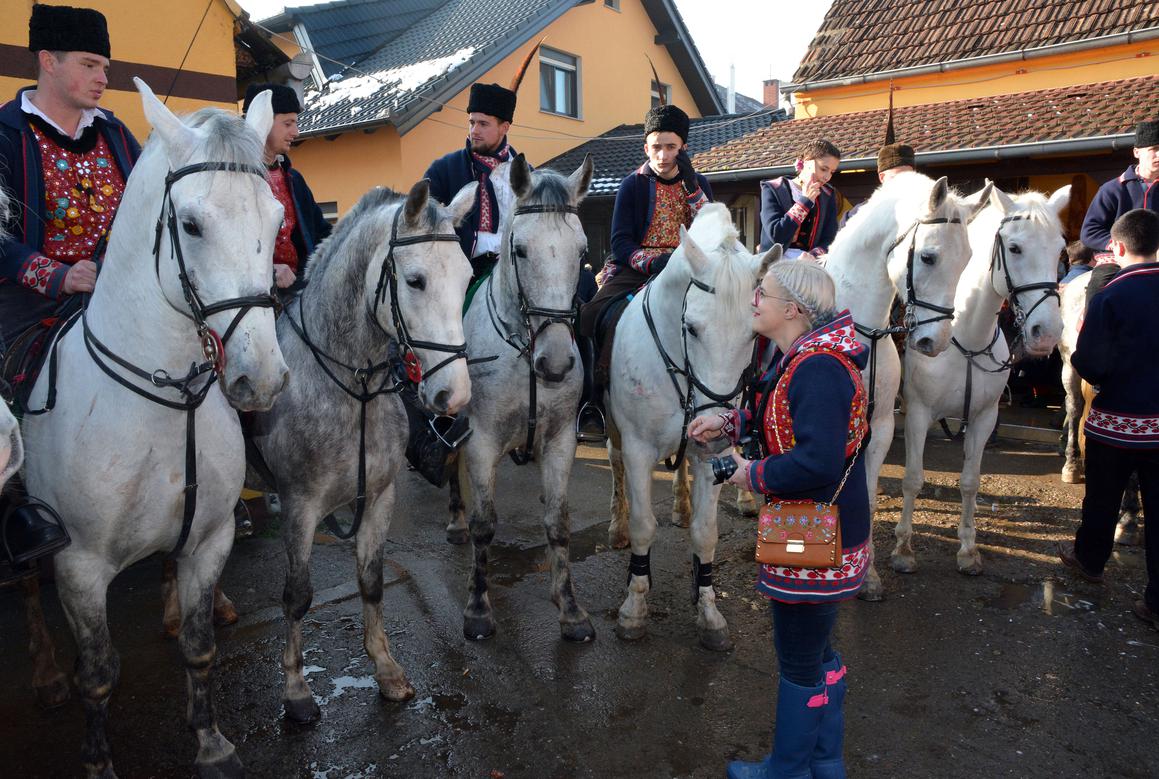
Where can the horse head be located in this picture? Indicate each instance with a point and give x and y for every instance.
(543, 248)
(215, 238)
(419, 288)
(1024, 235)
(928, 256)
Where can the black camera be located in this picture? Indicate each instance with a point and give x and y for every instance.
(724, 467)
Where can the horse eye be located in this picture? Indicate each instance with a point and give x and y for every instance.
(418, 282)
(691, 330)
(1015, 249)
(929, 258)
(521, 252)
(190, 227)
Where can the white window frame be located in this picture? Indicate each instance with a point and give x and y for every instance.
(553, 58)
(655, 92)
(613, 4)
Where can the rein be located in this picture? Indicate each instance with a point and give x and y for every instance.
(686, 400)
(525, 346)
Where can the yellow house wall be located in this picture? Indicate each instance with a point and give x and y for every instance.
(1085, 67)
(614, 90)
(139, 32)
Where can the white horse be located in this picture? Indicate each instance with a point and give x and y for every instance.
(110, 457)
(1073, 302)
(700, 310)
(908, 241)
(1015, 243)
(523, 315)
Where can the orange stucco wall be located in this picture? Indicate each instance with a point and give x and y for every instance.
(138, 34)
(1084, 67)
(614, 87)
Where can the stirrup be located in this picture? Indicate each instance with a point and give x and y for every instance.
(48, 539)
(588, 412)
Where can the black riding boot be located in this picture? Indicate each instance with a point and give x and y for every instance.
(590, 423)
(29, 529)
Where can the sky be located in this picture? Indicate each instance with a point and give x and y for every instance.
(761, 38)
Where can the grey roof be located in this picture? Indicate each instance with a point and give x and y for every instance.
(619, 151)
(744, 103)
(411, 56)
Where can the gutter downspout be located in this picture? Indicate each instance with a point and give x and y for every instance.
(1102, 41)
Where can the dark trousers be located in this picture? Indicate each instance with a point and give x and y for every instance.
(801, 634)
(1108, 468)
(626, 279)
(20, 309)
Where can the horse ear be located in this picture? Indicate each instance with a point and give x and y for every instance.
(416, 201)
(1059, 200)
(938, 194)
(463, 202)
(767, 259)
(260, 116)
(1001, 201)
(693, 253)
(520, 176)
(977, 202)
(581, 180)
(177, 137)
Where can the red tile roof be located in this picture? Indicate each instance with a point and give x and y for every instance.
(1086, 111)
(860, 37)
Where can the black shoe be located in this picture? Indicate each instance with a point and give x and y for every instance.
(30, 529)
(1146, 614)
(1067, 555)
(590, 425)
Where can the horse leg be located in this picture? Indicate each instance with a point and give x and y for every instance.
(710, 624)
(457, 532)
(746, 503)
(478, 621)
(392, 681)
(197, 576)
(1128, 532)
(681, 497)
(297, 700)
(917, 423)
(618, 528)
(1072, 469)
(969, 558)
(48, 680)
(170, 603)
(871, 588)
(631, 623)
(83, 585)
(557, 457)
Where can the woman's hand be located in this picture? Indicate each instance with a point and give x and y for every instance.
(740, 477)
(705, 429)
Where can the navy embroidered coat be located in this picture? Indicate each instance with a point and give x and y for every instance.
(632, 216)
(784, 209)
(1115, 198)
(312, 226)
(450, 173)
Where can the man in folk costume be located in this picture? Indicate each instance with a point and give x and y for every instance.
(490, 111)
(801, 213)
(652, 204)
(303, 226)
(64, 161)
(1136, 187)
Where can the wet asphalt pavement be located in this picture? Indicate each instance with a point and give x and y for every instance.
(1023, 671)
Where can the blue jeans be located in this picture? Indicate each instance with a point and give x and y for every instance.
(801, 637)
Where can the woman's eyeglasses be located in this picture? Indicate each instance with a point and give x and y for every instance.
(759, 294)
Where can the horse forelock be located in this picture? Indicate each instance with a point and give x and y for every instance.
(1036, 206)
(225, 137)
(549, 188)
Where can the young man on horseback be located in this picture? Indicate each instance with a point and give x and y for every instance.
(65, 161)
(303, 226)
(652, 204)
(801, 213)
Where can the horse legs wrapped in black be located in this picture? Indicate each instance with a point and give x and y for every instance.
(297, 595)
(555, 459)
(48, 680)
(632, 620)
(391, 678)
(712, 629)
(457, 532)
(478, 622)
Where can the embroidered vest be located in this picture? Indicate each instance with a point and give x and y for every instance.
(671, 211)
(778, 422)
(284, 251)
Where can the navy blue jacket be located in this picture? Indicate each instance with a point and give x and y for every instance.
(632, 214)
(450, 173)
(1116, 352)
(312, 227)
(1115, 198)
(22, 175)
(782, 213)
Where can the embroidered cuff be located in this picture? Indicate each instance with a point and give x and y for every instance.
(642, 258)
(697, 199)
(757, 476)
(798, 212)
(730, 427)
(44, 275)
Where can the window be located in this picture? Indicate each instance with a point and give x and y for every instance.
(740, 220)
(558, 83)
(656, 88)
(613, 4)
(329, 210)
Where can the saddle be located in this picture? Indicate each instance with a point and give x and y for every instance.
(22, 361)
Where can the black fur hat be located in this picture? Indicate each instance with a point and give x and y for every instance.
(285, 98)
(666, 119)
(493, 100)
(1146, 134)
(894, 156)
(63, 28)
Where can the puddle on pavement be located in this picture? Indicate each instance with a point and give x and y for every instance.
(1045, 596)
(509, 563)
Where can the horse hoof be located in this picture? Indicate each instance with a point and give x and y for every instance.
(630, 632)
(302, 711)
(478, 628)
(53, 694)
(396, 690)
(578, 632)
(458, 535)
(716, 640)
(871, 593)
(225, 615)
(617, 541)
(1071, 477)
(972, 569)
(1127, 533)
(903, 563)
(228, 767)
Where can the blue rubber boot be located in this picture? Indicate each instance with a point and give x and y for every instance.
(799, 712)
(828, 755)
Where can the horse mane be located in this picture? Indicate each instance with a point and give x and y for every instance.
(733, 274)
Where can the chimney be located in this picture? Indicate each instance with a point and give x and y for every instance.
(730, 103)
(772, 96)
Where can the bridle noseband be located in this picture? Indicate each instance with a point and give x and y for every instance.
(999, 260)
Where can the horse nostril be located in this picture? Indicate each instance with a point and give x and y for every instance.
(241, 388)
(925, 344)
(540, 365)
(1036, 332)
(442, 401)
(570, 364)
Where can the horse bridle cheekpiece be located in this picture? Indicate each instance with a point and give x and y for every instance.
(999, 260)
(912, 301)
(212, 344)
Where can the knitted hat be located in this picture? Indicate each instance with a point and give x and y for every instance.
(894, 156)
(493, 100)
(1146, 134)
(63, 28)
(285, 99)
(666, 119)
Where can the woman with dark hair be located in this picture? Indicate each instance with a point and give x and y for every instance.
(811, 428)
(801, 213)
